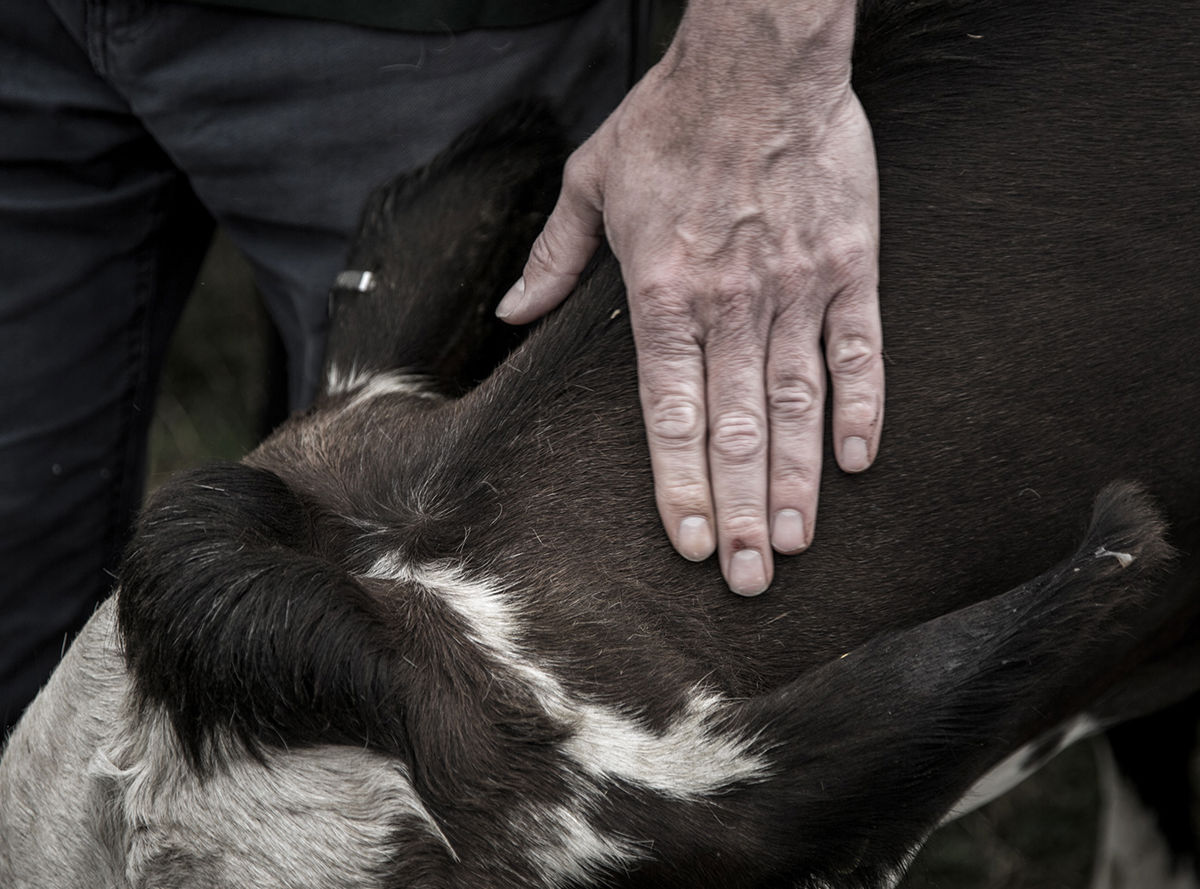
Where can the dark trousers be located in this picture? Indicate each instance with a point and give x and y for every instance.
(126, 128)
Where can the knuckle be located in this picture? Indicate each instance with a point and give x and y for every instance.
(734, 291)
(797, 271)
(853, 254)
(542, 255)
(665, 315)
(738, 437)
(661, 291)
(794, 480)
(578, 170)
(674, 421)
(743, 527)
(852, 356)
(684, 496)
(793, 398)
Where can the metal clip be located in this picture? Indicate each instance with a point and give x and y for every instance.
(353, 279)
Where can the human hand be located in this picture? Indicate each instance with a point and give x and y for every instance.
(744, 212)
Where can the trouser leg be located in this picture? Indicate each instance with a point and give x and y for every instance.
(281, 127)
(99, 238)
(284, 125)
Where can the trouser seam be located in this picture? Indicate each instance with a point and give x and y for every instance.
(125, 489)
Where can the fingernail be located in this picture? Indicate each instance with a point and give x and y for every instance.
(695, 538)
(787, 531)
(512, 300)
(747, 574)
(854, 454)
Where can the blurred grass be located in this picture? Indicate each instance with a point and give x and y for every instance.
(1041, 835)
(214, 394)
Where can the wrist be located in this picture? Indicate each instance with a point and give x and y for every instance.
(797, 46)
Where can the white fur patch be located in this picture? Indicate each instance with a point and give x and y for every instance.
(320, 817)
(687, 761)
(561, 842)
(93, 795)
(367, 384)
(564, 847)
(52, 818)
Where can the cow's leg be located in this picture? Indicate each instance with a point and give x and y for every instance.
(1147, 829)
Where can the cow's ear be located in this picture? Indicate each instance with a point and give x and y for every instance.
(238, 621)
(864, 756)
(440, 247)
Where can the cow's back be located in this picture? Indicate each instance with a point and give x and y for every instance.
(1039, 274)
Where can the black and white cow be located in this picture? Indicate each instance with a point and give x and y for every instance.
(430, 633)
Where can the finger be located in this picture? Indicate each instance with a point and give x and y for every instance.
(671, 382)
(737, 447)
(854, 355)
(795, 400)
(560, 253)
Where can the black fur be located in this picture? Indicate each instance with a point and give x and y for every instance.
(871, 749)
(226, 581)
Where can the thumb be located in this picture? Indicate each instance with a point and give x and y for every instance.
(561, 252)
